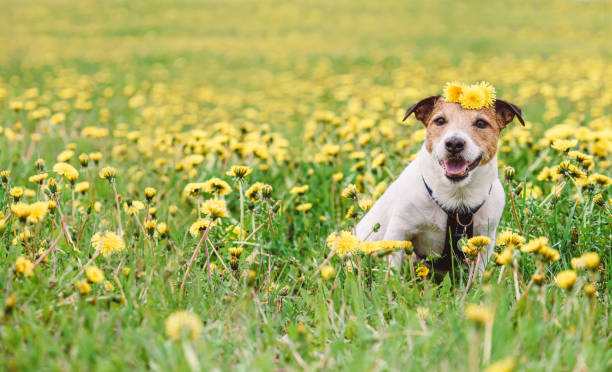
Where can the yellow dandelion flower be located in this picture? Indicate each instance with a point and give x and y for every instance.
(68, 171)
(108, 242)
(344, 243)
(183, 324)
(305, 207)
(549, 254)
(453, 91)
(16, 192)
(563, 145)
(199, 227)
(365, 203)
(132, 207)
(585, 160)
(21, 210)
(24, 266)
(510, 239)
(254, 191)
(94, 274)
(503, 365)
(84, 160)
(479, 313)
(217, 186)
(565, 168)
(96, 157)
(591, 260)
(472, 98)
(239, 171)
(38, 178)
(64, 156)
(535, 245)
(108, 173)
(479, 241)
(601, 180)
(299, 190)
(108, 286)
(337, 177)
(422, 271)
(216, 208)
(349, 192)
(327, 272)
(81, 187)
(235, 251)
(489, 93)
(589, 289)
(545, 174)
(83, 287)
(566, 279)
(578, 263)
(38, 211)
(505, 257)
(150, 193)
(379, 160)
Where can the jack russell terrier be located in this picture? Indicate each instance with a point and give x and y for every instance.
(451, 190)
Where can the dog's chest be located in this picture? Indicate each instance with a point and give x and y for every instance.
(431, 235)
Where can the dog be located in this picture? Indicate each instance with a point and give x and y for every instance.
(451, 190)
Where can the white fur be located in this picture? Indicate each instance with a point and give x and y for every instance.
(406, 212)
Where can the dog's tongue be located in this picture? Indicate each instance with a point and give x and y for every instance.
(455, 167)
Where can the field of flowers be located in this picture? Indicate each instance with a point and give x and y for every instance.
(179, 182)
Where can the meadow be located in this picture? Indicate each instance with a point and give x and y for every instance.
(179, 181)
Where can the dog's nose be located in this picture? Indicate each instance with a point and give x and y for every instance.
(455, 145)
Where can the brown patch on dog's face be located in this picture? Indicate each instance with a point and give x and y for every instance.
(482, 126)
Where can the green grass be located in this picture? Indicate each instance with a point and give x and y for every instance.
(280, 69)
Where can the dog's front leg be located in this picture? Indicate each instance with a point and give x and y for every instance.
(396, 231)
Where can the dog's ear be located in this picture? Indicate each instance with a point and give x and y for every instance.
(422, 109)
(506, 112)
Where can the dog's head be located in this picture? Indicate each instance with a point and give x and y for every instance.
(460, 140)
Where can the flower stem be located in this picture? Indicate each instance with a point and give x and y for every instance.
(119, 229)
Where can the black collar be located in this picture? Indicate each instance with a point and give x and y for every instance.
(459, 224)
(463, 210)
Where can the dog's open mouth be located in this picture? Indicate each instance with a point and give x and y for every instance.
(457, 168)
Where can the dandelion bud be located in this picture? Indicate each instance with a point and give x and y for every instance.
(40, 164)
(96, 157)
(538, 278)
(599, 200)
(150, 226)
(327, 272)
(566, 279)
(108, 173)
(84, 160)
(16, 193)
(509, 173)
(266, 192)
(234, 263)
(162, 229)
(150, 193)
(4, 176)
(52, 185)
(350, 192)
(239, 172)
(589, 289)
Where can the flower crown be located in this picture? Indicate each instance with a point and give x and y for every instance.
(471, 97)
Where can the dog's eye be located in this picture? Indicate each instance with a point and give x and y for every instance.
(481, 124)
(440, 121)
